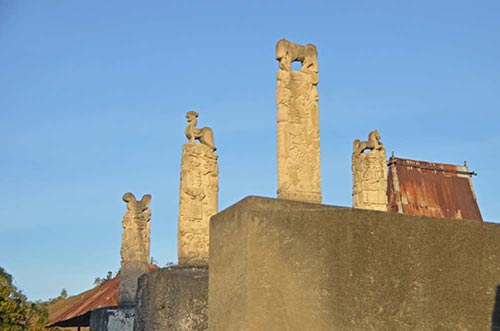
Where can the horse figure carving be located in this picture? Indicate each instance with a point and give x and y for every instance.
(204, 135)
(288, 52)
(373, 143)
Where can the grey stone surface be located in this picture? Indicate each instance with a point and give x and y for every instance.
(174, 298)
(112, 319)
(284, 265)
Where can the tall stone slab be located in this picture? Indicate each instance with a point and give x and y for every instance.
(176, 298)
(299, 176)
(135, 246)
(369, 172)
(199, 186)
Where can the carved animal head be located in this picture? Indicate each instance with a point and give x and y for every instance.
(191, 115)
(281, 49)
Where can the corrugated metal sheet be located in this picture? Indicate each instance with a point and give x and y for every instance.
(431, 189)
(78, 314)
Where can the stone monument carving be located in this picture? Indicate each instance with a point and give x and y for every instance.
(369, 171)
(204, 135)
(299, 176)
(135, 246)
(199, 188)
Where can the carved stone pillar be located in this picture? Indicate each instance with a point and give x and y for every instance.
(135, 246)
(299, 176)
(198, 194)
(369, 171)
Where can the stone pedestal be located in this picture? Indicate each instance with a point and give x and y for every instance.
(283, 265)
(174, 298)
(112, 319)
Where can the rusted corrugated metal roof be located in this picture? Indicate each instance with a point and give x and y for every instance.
(104, 295)
(431, 189)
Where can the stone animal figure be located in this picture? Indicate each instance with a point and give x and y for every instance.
(204, 135)
(288, 52)
(373, 143)
(133, 204)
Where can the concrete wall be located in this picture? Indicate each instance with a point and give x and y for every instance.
(173, 298)
(283, 265)
(112, 319)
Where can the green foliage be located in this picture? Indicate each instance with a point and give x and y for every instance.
(16, 312)
(64, 294)
(98, 281)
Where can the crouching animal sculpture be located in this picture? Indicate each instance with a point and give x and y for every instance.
(204, 135)
(373, 143)
(288, 52)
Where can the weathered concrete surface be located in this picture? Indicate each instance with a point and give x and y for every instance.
(174, 298)
(284, 265)
(112, 319)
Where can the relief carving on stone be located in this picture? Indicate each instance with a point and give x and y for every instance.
(299, 176)
(199, 186)
(369, 169)
(135, 246)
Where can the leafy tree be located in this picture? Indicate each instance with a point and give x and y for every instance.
(98, 281)
(64, 294)
(16, 312)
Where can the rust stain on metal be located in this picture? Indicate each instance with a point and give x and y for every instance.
(431, 189)
(104, 295)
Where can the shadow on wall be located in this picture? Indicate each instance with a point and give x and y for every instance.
(495, 318)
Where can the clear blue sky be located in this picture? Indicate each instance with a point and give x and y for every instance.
(93, 96)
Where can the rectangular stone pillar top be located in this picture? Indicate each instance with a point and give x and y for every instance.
(369, 173)
(297, 97)
(135, 246)
(198, 196)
